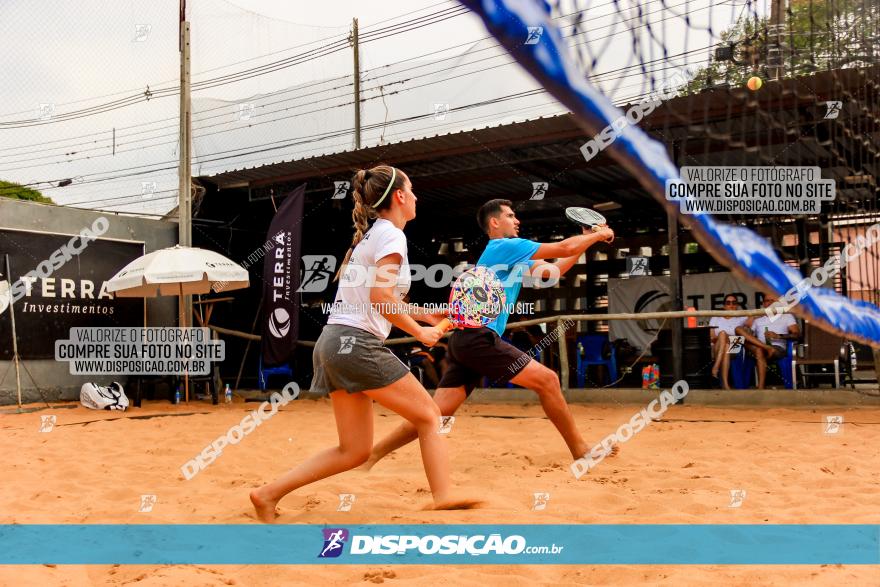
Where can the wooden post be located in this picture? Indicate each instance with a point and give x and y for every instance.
(876, 353)
(563, 359)
(675, 294)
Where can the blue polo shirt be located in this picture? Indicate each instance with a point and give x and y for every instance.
(509, 258)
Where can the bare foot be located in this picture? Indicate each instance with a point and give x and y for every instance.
(607, 453)
(456, 504)
(714, 370)
(265, 508)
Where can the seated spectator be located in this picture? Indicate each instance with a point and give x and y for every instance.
(721, 329)
(766, 338)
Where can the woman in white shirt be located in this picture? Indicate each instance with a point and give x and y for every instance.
(721, 329)
(350, 362)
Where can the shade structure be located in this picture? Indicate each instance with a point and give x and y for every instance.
(178, 271)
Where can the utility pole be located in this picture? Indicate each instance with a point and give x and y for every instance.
(357, 83)
(184, 203)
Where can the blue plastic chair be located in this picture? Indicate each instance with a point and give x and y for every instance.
(743, 367)
(266, 372)
(742, 370)
(592, 346)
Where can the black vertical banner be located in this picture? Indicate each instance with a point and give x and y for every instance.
(281, 280)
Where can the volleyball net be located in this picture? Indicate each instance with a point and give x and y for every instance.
(731, 84)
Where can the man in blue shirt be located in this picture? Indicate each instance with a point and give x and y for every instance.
(477, 352)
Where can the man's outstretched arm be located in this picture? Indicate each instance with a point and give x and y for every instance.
(566, 252)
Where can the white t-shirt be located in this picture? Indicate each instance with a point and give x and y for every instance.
(728, 325)
(778, 326)
(352, 306)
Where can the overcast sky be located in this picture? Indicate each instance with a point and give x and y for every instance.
(75, 55)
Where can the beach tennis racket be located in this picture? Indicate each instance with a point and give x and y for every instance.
(477, 297)
(586, 217)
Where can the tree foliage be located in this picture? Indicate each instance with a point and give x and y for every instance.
(816, 35)
(20, 192)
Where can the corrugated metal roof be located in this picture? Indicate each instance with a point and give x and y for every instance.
(435, 147)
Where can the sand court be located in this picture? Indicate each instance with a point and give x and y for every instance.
(94, 467)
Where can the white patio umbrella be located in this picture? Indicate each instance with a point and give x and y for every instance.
(178, 271)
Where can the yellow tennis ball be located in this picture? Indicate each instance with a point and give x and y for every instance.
(755, 83)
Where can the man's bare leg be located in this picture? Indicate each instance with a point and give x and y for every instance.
(448, 399)
(545, 383)
(761, 358)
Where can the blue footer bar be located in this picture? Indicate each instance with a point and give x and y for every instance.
(440, 544)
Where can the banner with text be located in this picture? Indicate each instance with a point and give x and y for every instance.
(74, 294)
(702, 291)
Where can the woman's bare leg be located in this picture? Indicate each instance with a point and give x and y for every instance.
(408, 398)
(448, 399)
(354, 424)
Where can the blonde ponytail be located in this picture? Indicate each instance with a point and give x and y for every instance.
(368, 187)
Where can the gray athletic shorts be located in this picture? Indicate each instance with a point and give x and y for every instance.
(354, 360)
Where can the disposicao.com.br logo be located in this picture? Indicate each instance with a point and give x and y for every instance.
(453, 544)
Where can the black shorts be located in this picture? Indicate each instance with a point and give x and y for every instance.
(477, 352)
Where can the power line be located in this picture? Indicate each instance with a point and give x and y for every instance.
(202, 160)
(334, 47)
(489, 37)
(433, 64)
